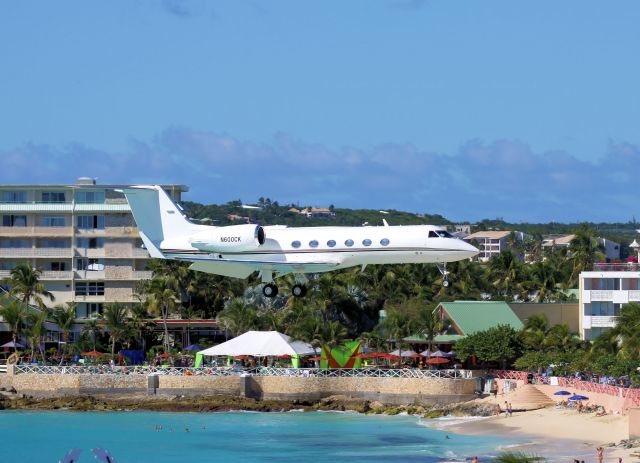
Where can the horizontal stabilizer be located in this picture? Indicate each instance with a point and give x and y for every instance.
(151, 248)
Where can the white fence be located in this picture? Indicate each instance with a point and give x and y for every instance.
(234, 371)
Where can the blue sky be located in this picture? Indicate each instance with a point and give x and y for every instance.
(523, 110)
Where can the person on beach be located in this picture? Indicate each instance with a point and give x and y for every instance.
(506, 409)
(510, 409)
(475, 460)
(600, 453)
(498, 410)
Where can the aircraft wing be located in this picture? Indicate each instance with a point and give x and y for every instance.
(243, 268)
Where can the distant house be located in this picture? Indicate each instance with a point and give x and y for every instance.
(293, 210)
(238, 218)
(490, 243)
(317, 212)
(611, 248)
(468, 317)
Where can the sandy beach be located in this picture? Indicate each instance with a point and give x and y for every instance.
(554, 431)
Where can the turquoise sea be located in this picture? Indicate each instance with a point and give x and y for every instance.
(313, 437)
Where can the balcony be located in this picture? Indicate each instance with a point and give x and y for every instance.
(140, 253)
(599, 321)
(36, 252)
(617, 267)
(36, 206)
(56, 275)
(90, 275)
(142, 274)
(28, 232)
(5, 274)
(89, 252)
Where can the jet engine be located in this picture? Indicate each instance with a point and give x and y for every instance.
(233, 238)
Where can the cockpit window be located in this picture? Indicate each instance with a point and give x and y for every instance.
(440, 234)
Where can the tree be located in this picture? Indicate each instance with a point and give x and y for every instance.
(500, 344)
(238, 317)
(115, 319)
(25, 285)
(396, 326)
(14, 315)
(64, 317)
(627, 331)
(582, 252)
(162, 298)
(428, 323)
(36, 331)
(92, 329)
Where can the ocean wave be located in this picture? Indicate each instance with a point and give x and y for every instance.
(447, 421)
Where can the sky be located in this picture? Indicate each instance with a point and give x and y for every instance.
(527, 111)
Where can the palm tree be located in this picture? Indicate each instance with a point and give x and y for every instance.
(534, 331)
(505, 271)
(92, 329)
(115, 319)
(36, 331)
(627, 331)
(163, 299)
(25, 285)
(428, 323)
(14, 315)
(582, 252)
(396, 327)
(64, 317)
(238, 317)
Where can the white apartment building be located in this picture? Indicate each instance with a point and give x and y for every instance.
(603, 291)
(490, 243)
(83, 238)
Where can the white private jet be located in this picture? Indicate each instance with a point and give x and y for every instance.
(239, 250)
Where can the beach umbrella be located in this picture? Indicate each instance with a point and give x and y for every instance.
(450, 354)
(426, 353)
(437, 360)
(193, 347)
(438, 353)
(404, 353)
(562, 393)
(93, 353)
(578, 397)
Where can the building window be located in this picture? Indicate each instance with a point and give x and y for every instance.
(53, 222)
(366, 242)
(14, 197)
(53, 197)
(90, 222)
(295, 244)
(313, 243)
(605, 284)
(54, 243)
(14, 220)
(331, 243)
(90, 243)
(90, 197)
(90, 265)
(58, 266)
(384, 242)
(348, 243)
(89, 309)
(9, 243)
(90, 288)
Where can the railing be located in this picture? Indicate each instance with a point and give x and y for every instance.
(53, 275)
(3, 368)
(233, 371)
(142, 274)
(617, 267)
(631, 394)
(36, 252)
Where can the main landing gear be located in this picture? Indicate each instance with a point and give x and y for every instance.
(270, 290)
(442, 267)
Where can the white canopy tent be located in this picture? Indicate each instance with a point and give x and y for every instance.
(260, 344)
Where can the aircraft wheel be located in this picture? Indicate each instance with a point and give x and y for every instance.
(299, 290)
(270, 290)
(445, 283)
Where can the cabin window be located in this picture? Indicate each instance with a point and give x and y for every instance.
(366, 242)
(313, 243)
(348, 243)
(384, 242)
(295, 244)
(433, 234)
(331, 243)
(444, 234)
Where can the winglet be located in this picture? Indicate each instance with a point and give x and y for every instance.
(151, 248)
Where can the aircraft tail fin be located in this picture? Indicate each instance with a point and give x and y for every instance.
(157, 216)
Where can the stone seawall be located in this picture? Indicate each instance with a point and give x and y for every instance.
(394, 391)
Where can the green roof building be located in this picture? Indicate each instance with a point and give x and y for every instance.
(468, 317)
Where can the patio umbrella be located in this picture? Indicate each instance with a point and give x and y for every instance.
(193, 347)
(404, 353)
(390, 357)
(164, 356)
(241, 357)
(578, 397)
(93, 353)
(438, 353)
(11, 344)
(450, 354)
(285, 356)
(562, 393)
(437, 360)
(316, 358)
(426, 353)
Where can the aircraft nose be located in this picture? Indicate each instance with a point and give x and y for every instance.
(468, 249)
